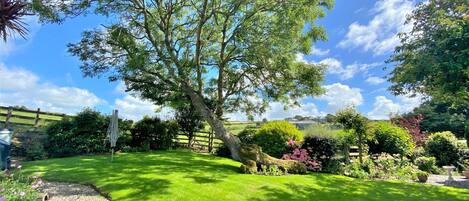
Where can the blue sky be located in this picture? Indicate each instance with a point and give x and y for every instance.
(39, 72)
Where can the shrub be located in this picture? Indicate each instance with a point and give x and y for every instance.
(427, 164)
(388, 138)
(412, 125)
(302, 156)
(443, 146)
(29, 144)
(223, 151)
(15, 186)
(383, 166)
(322, 147)
(83, 134)
(247, 135)
(159, 135)
(273, 137)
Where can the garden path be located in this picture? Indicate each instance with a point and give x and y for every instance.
(441, 180)
(58, 191)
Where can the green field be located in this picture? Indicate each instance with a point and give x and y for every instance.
(17, 118)
(183, 175)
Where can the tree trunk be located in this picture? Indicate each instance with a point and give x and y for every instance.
(251, 156)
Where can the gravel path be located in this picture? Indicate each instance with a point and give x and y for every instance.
(58, 191)
(441, 180)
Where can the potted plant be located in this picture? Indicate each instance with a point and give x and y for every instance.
(422, 176)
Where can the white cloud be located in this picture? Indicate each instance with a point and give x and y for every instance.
(134, 108)
(347, 72)
(318, 51)
(277, 111)
(380, 34)
(339, 96)
(22, 87)
(375, 80)
(408, 103)
(383, 108)
(131, 106)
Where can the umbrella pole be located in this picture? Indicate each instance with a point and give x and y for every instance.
(112, 154)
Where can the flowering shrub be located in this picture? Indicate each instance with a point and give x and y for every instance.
(302, 156)
(383, 166)
(272, 137)
(16, 187)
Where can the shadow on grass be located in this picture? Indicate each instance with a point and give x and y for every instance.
(330, 188)
(136, 174)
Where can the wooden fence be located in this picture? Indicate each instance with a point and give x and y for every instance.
(15, 116)
(202, 141)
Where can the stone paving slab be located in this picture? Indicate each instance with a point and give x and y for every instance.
(442, 180)
(58, 191)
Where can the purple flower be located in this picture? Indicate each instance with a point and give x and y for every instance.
(2, 198)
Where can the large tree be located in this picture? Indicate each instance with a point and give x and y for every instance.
(433, 56)
(225, 55)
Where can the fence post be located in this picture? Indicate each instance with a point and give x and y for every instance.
(7, 120)
(36, 121)
(210, 141)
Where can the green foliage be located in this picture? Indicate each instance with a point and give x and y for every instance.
(466, 132)
(427, 164)
(247, 135)
(320, 130)
(443, 146)
(34, 150)
(241, 35)
(354, 122)
(384, 166)
(15, 186)
(83, 134)
(189, 120)
(168, 50)
(384, 137)
(153, 132)
(273, 137)
(432, 57)
(441, 116)
(322, 143)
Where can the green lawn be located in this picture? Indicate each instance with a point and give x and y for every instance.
(183, 175)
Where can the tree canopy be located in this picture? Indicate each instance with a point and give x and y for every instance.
(225, 50)
(433, 56)
(224, 55)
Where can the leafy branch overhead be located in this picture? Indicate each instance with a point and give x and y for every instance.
(224, 50)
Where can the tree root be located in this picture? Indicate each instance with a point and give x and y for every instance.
(253, 158)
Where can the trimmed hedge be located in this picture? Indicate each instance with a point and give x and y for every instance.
(385, 137)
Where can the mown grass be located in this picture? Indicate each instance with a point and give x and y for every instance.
(183, 175)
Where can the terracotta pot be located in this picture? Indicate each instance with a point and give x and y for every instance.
(422, 178)
(466, 173)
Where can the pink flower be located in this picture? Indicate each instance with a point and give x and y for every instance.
(291, 142)
(2, 198)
